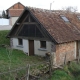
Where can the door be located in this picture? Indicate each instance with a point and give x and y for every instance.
(31, 47)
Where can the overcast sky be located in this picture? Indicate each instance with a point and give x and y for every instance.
(57, 4)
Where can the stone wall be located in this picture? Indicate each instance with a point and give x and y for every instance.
(65, 52)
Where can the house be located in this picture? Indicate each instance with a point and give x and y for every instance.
(38, 31)
(14, 12)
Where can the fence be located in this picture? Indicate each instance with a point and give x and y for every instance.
(4, 21)
(30, 72)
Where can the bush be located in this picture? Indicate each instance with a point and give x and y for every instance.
(3, 39)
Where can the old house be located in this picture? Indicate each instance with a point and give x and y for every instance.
(14, 12)
(38, 31)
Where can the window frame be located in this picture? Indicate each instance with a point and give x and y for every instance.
(43, 44)
(20, 41)
(64, 18)
(78, 17)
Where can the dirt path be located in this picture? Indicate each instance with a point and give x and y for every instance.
(5, 27)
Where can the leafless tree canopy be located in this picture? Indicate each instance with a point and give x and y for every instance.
(70, 9)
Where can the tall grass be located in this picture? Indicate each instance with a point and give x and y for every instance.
(70, 72)
(61, 75)
(74, 68)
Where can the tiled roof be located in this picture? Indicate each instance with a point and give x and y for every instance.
(15, 13)
(15, 4)
(15, 10)
(61, 31)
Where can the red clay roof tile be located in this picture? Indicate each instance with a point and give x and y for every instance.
(57, 28)
(15, 13)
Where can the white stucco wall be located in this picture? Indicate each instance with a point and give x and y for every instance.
(23, 47)
(40, 51)
(13, 20)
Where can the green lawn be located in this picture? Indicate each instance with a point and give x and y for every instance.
(18, 59)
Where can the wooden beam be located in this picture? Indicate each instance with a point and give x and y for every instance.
(30, 23)
(31, 38)
(20, 27)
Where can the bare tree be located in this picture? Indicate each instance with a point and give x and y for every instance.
(70, 9)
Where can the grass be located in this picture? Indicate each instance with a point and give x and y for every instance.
(61, 75)
(74, 68)
(18, 59)
(70, 72)
(15, 59)
(3, 39)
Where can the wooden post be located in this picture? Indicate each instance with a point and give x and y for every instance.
(79, 56)
(53, 59)
(16, 78)
(28, 67)
(65, 58)
(50, 64)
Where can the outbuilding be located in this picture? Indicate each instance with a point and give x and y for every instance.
(38, 31)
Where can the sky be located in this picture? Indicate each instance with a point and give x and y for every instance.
(45, 4)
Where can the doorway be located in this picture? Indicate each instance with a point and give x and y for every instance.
(31, 47)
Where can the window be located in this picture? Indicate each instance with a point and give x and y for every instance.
(43, 44)
(78, 17)
(20, 42)
(64, 18)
